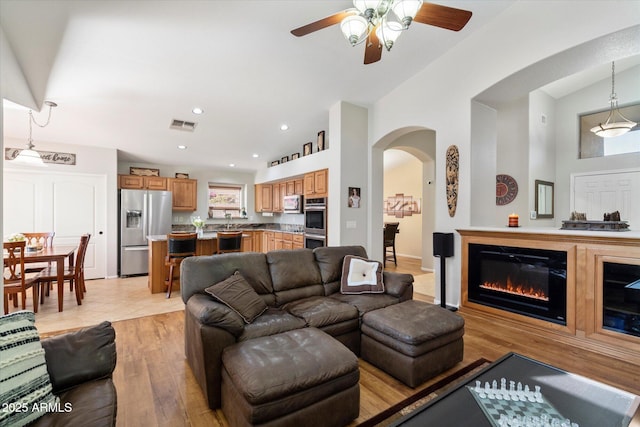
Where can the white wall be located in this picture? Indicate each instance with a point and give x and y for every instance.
(89, 160)
(482, 164)
(439, 97)
(568, 108)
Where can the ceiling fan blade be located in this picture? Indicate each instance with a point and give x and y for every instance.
(373, 48)
(443, 16)
(322, 23)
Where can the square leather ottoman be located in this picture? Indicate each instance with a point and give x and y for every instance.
(302, 377)
(413, 341)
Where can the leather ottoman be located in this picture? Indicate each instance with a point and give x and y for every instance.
(412, 341)
(302, 377)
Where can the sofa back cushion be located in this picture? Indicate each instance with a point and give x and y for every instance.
(199, 272)
(294, 274)
(329, 260)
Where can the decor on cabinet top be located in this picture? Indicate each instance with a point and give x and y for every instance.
(307, 150)
(144, 171)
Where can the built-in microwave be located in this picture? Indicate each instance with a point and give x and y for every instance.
(292, 204)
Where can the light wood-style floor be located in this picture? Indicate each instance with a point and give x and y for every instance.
(156, 387)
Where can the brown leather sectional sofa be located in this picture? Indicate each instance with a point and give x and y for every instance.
(301, 289)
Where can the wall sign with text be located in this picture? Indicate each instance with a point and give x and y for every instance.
(47, 156)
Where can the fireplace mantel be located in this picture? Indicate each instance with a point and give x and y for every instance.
(587, 251)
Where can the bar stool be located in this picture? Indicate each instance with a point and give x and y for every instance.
(229, 241)
(179, 247)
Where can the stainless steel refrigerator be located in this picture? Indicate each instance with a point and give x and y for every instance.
(142, 213)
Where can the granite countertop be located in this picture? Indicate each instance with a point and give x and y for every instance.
(205, 236)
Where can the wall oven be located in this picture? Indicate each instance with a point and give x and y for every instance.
(315, 222)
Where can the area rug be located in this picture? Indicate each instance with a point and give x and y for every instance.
(411, 403)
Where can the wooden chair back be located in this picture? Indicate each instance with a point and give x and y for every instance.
(229, 241)
(44, 239)
(14, 264)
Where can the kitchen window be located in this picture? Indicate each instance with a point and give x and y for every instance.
(226, 199)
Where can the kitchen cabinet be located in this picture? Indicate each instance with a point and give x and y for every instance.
(315, 184)
(264, 197)
(277, 191)
(258, 237)
(287, 241)
(298, 241)
(135, 182)
(270, 240)
(295, 187)
(247, 241)
(277, 239)
(184, 193)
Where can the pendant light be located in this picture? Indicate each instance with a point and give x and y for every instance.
(616, 124)
(30, 156)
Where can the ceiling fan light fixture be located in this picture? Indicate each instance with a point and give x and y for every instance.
(367, 6)
(388, 32)
(406, 10)
(355, 29)
(616, 124)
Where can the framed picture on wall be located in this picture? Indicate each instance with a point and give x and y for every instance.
(295, 156)
(285, 159)
(307, 148)
(321, 140)
(275, 163)
(353, 201)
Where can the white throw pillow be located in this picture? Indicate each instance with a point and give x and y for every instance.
(361, 276)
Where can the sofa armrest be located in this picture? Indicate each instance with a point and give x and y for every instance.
(399, 285)
(77, 357)
(207, 311)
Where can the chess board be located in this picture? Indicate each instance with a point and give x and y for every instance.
(496, 408)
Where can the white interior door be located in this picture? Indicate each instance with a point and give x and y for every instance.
(69, 204)
(605, 192)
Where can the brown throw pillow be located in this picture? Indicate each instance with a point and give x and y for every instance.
(239, 296)
(361, 276)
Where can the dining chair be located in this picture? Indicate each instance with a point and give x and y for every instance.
(37, 240)
(74, 274)
(179, 247)
(390, 231)
(15, 280)
(229, 241)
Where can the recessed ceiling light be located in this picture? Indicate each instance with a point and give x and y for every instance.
(232, 165)
(197, 110)
(182, 147)
(255, 156)
(284, 126)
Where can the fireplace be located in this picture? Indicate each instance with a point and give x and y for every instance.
(531, 282)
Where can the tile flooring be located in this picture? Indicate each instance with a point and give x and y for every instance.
(106, 299)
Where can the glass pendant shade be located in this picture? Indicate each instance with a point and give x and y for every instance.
(354, 28)
(29, 157)
(406, 10)
(616, 124)
(388, 32)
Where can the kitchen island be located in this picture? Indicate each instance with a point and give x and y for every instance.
(207, 244)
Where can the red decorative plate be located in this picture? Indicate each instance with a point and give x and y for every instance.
(506, 189)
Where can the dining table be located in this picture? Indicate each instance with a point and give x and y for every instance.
(57, 255)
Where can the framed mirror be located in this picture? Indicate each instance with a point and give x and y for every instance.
(544, 199)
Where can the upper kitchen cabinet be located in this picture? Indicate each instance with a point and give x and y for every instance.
(295, 187)
(315, 184)
(184, 194)
(264, 198)
(135, 182)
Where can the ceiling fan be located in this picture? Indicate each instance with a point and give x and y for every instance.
(380, 22)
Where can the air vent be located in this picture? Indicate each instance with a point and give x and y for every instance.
(183, 125)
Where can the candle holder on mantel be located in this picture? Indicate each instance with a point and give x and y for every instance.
(513, 220)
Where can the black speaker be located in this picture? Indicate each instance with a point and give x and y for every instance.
(443, 244)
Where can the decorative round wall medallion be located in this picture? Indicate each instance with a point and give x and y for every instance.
(506, 189)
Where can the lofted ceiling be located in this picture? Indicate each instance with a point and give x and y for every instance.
(121, 71)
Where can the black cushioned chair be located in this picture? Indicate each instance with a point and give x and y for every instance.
(179, 247)
(390, 231)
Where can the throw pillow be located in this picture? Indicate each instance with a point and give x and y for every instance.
(25, 386)
(237, 294)
(361, 276)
